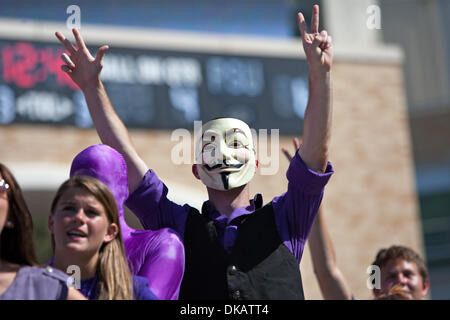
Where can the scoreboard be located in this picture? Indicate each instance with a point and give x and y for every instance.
(155, 89)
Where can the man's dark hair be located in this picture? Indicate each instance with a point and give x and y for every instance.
(401, 252)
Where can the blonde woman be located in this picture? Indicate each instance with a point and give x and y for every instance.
(84, 225)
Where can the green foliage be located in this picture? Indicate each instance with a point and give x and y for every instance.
(42, 240)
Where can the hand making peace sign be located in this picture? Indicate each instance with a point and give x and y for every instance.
(317, 46)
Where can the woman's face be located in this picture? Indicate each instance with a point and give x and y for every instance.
(79, 223)
(4, 205)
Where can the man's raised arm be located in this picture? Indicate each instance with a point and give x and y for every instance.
(85, 70)
(317, 121)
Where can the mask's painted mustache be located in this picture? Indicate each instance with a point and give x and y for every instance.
(237, 166)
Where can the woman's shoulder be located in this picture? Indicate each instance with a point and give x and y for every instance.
(43, 274)
(36, 283)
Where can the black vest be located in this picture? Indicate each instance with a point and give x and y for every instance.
(260, 266)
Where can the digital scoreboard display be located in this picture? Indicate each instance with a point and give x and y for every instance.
(158, 89)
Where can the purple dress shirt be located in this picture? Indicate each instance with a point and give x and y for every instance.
(294, 210)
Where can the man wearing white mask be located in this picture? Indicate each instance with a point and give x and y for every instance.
(226, 154)
(235, 248)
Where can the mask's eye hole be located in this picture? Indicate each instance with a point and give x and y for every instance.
(210, 153)
(236, 139)
(235, 144)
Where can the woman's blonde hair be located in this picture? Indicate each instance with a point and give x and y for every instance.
(113, 273)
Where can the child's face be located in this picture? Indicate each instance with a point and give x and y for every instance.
(80, 224)
(406, 274)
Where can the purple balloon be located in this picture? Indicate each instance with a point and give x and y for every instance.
(157, 255)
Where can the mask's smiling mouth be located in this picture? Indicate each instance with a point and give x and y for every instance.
(224, 167)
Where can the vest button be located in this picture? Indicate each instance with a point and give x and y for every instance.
(236, 295)
(233, 270)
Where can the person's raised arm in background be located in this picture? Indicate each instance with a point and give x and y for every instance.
(332, 282)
